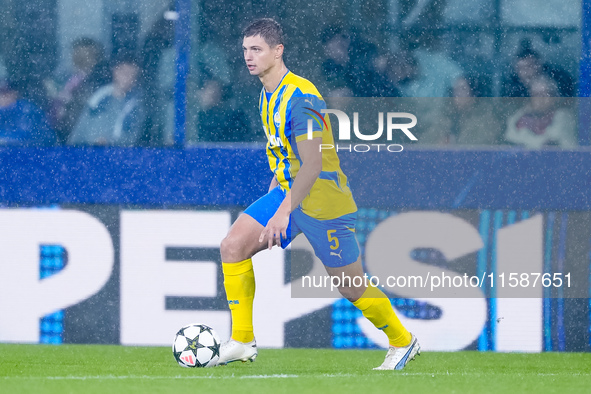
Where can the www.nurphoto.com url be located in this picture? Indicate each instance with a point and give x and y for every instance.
(444, 280)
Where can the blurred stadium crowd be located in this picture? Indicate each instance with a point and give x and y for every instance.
(501, 84)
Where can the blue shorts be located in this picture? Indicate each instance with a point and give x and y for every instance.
(334, 240)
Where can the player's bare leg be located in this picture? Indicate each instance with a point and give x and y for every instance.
(376, 307)
(347, 290)
(242, 240)
(237, 249)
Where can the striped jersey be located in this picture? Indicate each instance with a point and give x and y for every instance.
(287, 114)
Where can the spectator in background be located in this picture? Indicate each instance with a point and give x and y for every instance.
(90, 71)
(351, 60)
(218, 119)
(394, 70)
(384, 83)
(468, 118)
(337, 66)
(210, 55)
(435, 72)
(527, 66)
(159, 78)
(401, 68)
(113, 114)
(22, 122)
(542, 121)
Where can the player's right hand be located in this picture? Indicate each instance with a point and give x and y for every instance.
(275, 229)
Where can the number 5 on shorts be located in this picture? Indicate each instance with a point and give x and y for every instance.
(329, 234)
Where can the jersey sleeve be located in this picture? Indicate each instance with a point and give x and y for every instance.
(307, 120)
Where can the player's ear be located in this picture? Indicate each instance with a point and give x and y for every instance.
(278, 51)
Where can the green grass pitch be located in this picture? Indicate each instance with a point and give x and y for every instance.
(117, 369)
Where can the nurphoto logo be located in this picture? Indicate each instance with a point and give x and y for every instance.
(345, 130)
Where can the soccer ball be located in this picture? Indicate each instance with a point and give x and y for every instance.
(196, 346)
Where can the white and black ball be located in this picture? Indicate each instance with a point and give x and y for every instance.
(196, 346)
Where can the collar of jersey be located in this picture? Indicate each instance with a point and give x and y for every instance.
(280, 82)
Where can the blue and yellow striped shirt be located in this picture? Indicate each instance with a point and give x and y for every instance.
(284, 114)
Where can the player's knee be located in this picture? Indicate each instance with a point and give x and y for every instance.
(347, 293)
(351, 293)
(232, 250)
(227, 248)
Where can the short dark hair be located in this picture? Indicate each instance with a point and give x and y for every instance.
(125, 57)
(526, 50)
(82, 42)
(268, 28)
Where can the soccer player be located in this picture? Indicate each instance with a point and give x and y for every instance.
(309, 194)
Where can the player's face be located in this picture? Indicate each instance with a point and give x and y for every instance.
(259, 56)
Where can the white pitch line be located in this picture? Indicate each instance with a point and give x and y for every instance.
(267, 376)
(433, 374)
(144, 377)
(277, 376)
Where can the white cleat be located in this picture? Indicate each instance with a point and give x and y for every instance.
(398, 357)
(237, 351)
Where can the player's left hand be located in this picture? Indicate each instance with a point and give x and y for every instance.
(275, 229)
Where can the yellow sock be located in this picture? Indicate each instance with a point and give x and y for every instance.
(376, 307)
(240, 286)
